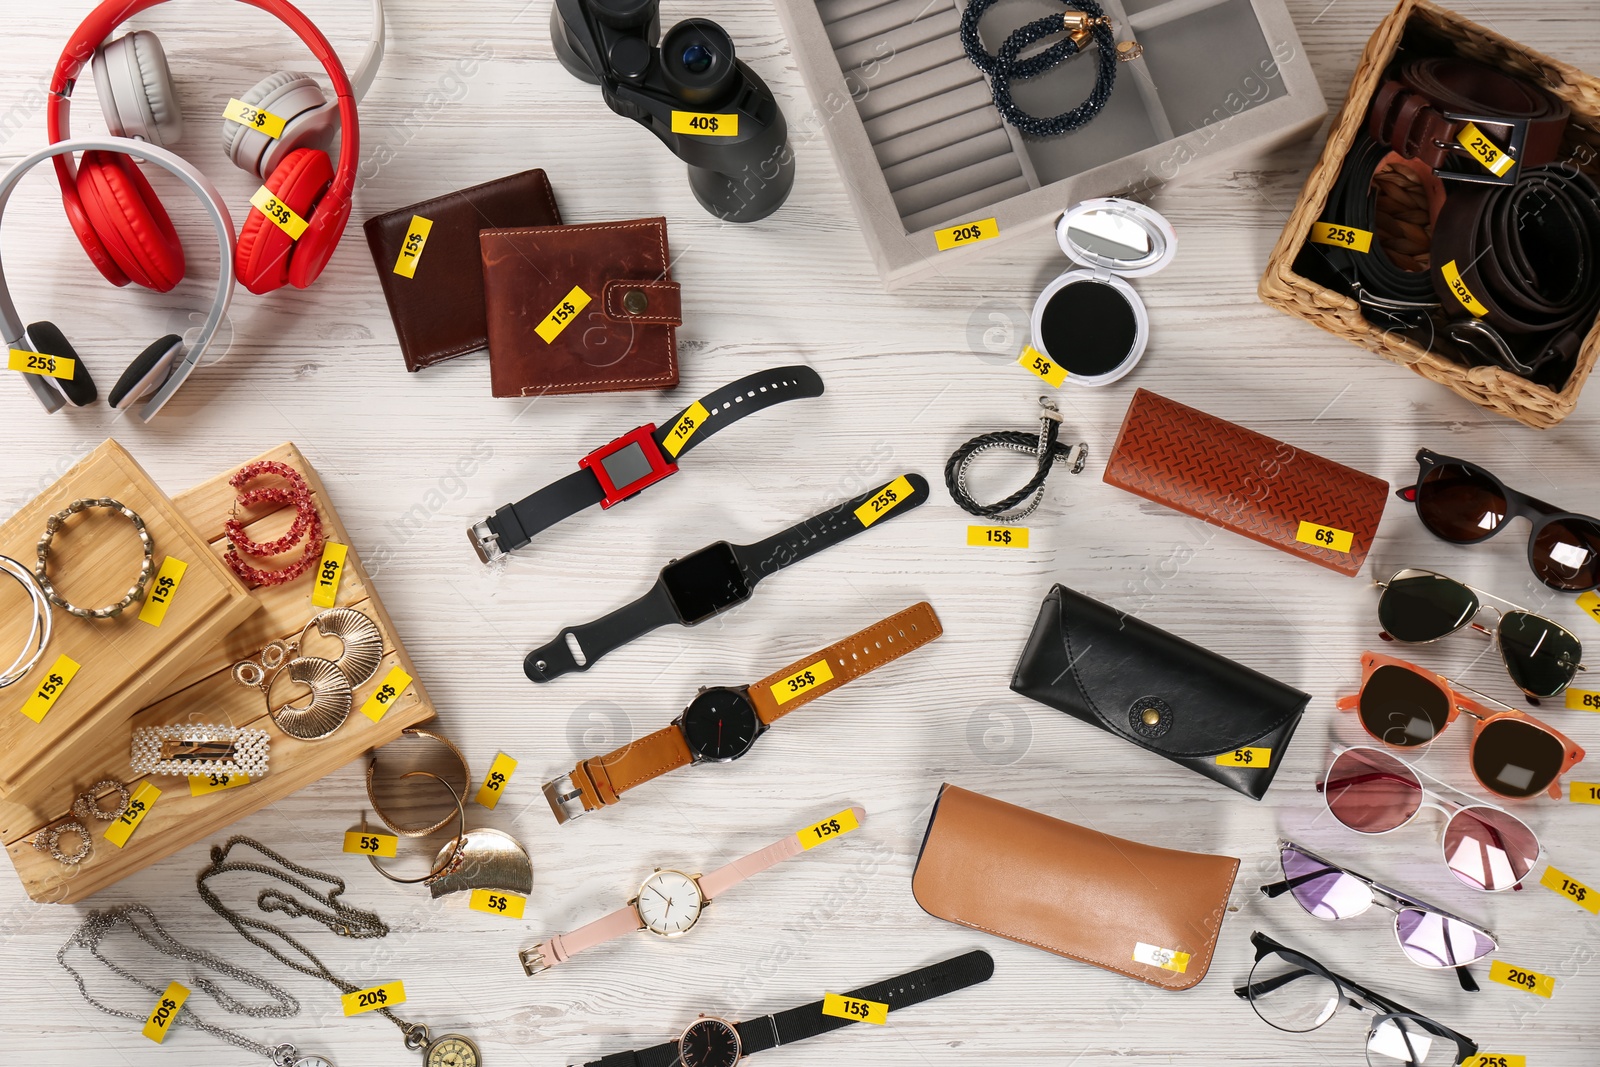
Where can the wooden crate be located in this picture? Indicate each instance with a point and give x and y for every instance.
(124, 663)
(206, 692)
(1281, 287)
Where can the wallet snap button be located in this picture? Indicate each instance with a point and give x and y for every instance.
(635, 302)
(1150, 717)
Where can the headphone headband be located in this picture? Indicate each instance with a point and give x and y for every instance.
(216, 210)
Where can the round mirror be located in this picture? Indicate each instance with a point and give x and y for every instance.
(1111, 235)
(1117, 235)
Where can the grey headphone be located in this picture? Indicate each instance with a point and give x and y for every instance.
(134, 84)
(162, 367)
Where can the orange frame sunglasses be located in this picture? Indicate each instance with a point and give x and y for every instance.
(1512, 754)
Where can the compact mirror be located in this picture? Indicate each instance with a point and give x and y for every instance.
(1090, 321)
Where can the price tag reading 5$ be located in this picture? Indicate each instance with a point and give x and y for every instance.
(329, 571)
(884, 501)
(1334, 540)
(278, 213)
(370, 844)
(1036, 362)
(382, 699)
(1259, 758)
(857, 1011)
(830, 828)
(379, 996)
(494, 902)
(166, 1009)
(801, 681)
(494, 783)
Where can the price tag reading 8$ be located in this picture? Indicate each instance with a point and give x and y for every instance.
(382, 699)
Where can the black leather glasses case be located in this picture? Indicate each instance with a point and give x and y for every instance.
(1156, 690)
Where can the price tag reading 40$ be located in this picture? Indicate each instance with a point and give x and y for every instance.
(830, 828)
(857, 1011)
(1520, 978)
(379, 996)
(166, 1009)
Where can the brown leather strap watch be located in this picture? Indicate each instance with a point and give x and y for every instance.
(722, 722)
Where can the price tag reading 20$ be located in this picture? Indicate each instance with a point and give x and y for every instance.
(379, 996)
(857, 1011)
(1519, 978)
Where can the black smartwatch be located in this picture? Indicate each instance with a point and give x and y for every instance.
(718, 577)
(713, 1042)
(637, 460)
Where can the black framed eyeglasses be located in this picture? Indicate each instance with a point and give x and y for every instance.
(1294, 993)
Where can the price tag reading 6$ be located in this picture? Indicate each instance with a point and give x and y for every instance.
(329, 571)
(1259, 758)
(1334, 540)
(371, 844)
(801, 681)
(166, 1009)
(884, 501)
(382, 699)
(857, 1011)
(379, 996)
(830, 828)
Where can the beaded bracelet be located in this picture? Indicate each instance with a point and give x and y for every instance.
(56, 521)
(1086, 20)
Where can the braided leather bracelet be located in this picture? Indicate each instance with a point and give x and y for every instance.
(1086, 19)
(1044, 445)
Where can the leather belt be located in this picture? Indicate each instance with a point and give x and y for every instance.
(1425, 103)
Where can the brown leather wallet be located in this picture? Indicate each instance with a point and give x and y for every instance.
(1247, 482)
(435, 295)
(588, 308)
(1145, 912)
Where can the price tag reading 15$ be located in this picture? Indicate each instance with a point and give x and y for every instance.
(857, 1011)
(829, 828)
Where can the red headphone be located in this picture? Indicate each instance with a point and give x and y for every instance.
(121, 223)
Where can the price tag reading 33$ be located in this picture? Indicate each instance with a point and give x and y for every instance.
(278, 213)
(857, 1011)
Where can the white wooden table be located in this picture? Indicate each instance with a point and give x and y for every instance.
(470, 92)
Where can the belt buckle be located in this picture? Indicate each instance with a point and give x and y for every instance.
(1476, 172)
(533, 961)
(485, 542)
(565, 798)
(1401, 314)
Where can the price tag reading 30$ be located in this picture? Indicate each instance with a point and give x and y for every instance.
(857, 1011)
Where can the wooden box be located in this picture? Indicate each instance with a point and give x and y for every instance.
(205, 692)
(123, 663)
(1281, 287)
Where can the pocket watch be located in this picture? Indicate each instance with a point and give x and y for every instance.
(452, 1050)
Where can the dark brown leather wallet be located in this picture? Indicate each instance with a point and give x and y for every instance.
(588, 308)
(435, 286)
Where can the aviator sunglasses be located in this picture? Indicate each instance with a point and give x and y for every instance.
(1513, 754)
(1371, 791)
(1418, 606)
(1429, 936)
(1464, 504)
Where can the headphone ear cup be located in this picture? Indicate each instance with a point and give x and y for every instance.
(129, 219)
(134, 84)
(146, 373)
(310, 122)
(79, 390)
(264, 251)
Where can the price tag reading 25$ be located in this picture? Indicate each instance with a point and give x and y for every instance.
(884, 501)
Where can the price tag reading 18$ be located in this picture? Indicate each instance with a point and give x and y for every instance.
(1581, 895)
(405, 264)
(495, 902)
(160, 1021)
(50, 688)
(1036, 362)
(278, 213)
(139, 805)
(1518, 978)
(371, 844)
(1259, 758)
(801, 681)
(562, 315)
(382, 699)
(685, 427)
(1334, 540)
(494, 783)
(329, 571)
(965, 233)
(705, 125)
(857, 1011)
(42, 363)
(997, 536)
(829, 828)
(884, 501)
(1485, 151)
(379, 996)
(1326, 233)
(255, 118)
(162, 590)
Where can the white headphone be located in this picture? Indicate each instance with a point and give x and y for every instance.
(163, 366)
(134, 84)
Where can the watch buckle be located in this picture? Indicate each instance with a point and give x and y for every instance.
(533, 961)
(565, 798)
(485, 542)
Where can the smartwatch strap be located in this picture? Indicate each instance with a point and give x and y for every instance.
(514, 525)
(833, 526)
(724, 878)
(601, 780)
(562, 947)
(797, 1024)
(806, 679)
(605, 634)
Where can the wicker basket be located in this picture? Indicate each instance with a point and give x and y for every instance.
(1489, 387)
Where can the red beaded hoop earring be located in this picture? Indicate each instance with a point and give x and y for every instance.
(307, 524)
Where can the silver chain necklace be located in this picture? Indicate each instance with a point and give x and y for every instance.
(91, 934)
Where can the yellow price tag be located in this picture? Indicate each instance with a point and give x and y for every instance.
(329, 571)
(829, 828)
(139, 805)
(278, 213)
(1519, 978)
(494, 902)
(1590, 603)
(997, 536)
(857, 1011)
(562, 315)
(1168, 959)
(1334, 540)
(1494, 159)
(884, 501)
(494, 783)
(162, 590)
(1581, 895)
(405, 264)
(1326, 233)
(255, 118)
(1585, 792)
(371, 999)
(1494, 1059)
(365, 843)
(383, 698)
(1583, 700)
(1458, 288)
(1259, 758)
(1036, 362)
(50, 688)
(43, 364)
(801, 681)
(685, 427)
(166, 1009)
(201, 784)
(965, 233)
(704, 124)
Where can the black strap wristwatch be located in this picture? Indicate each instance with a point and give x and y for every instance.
(721, 575)
(713, 1042)
(637, 460)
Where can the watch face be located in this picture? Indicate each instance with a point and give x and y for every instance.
(669, 903)
(311, 1061)
(720, 724)
(705, 583)
(627, 465)
(709, 1043)
(453, 1050)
